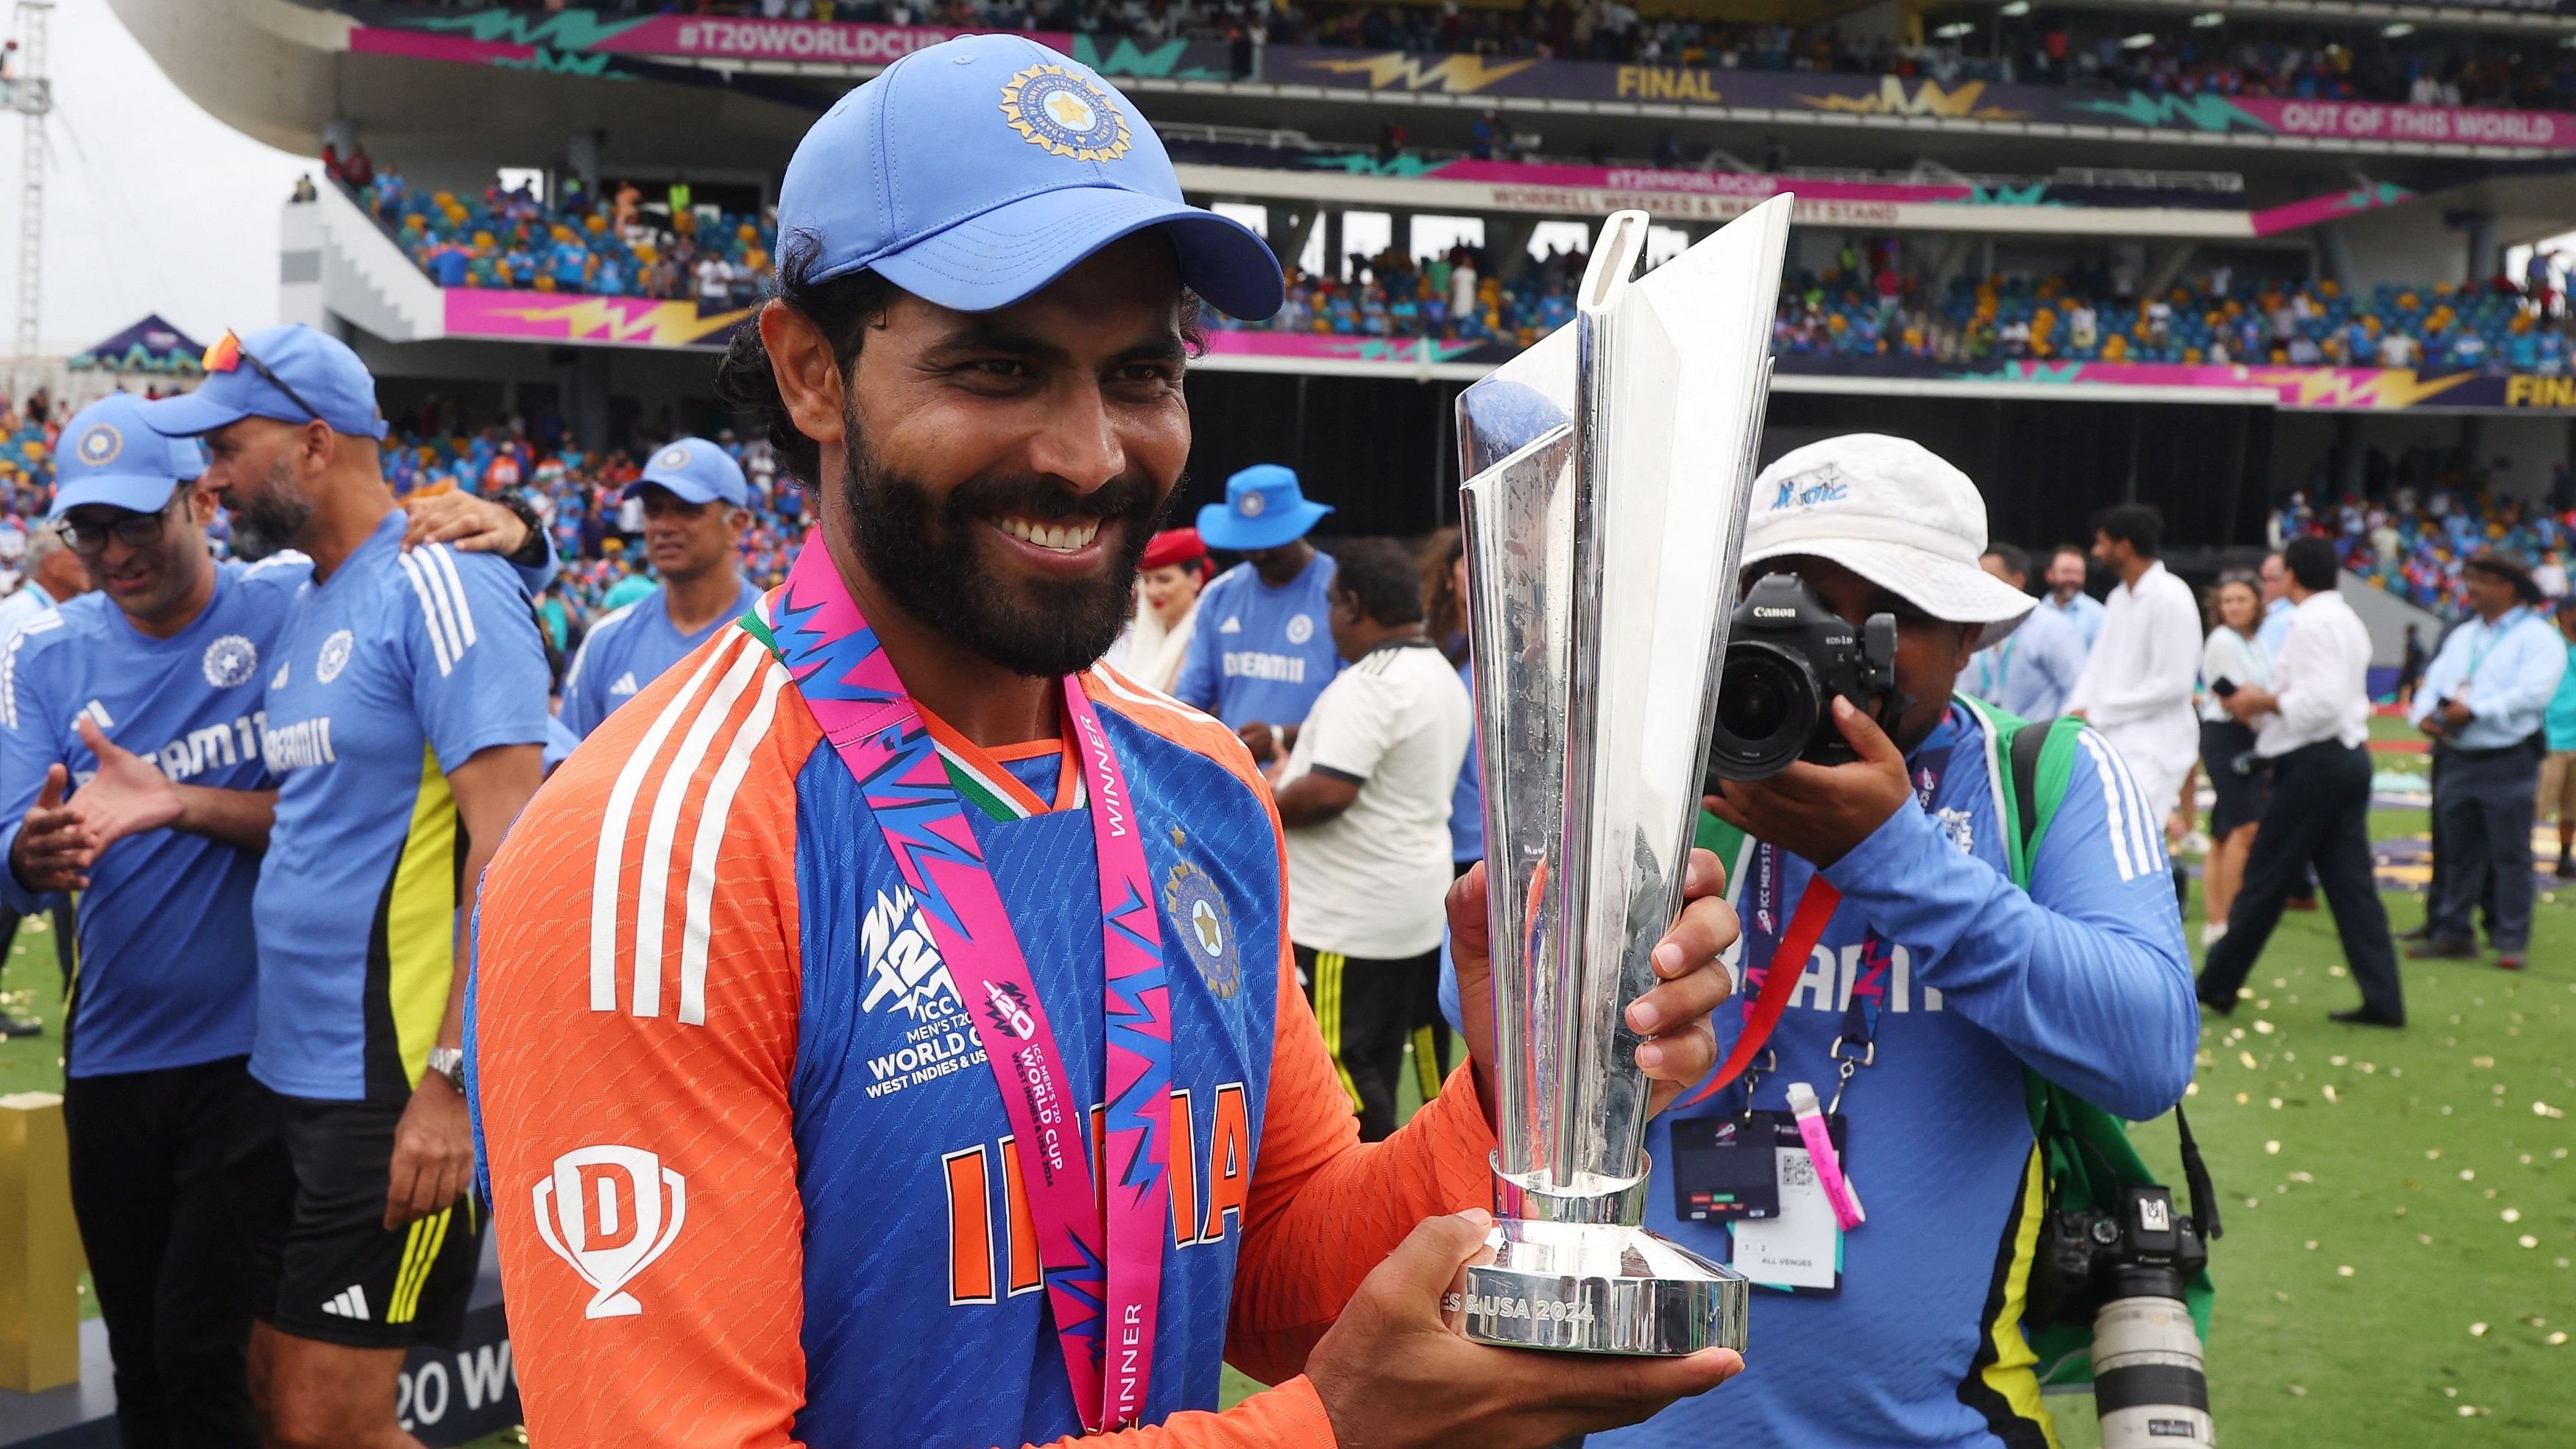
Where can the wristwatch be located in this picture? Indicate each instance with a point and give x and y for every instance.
(449, 1062)
(532, 551)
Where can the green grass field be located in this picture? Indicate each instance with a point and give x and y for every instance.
(2400, 1207)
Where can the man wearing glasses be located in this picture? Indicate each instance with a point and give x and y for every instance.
(146, 696)
(405, 712)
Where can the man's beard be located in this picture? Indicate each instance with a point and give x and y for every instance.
(276, 511)
(922, 551)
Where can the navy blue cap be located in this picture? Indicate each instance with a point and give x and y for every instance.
(108, 454)
(974, 172)
(326, 380)
(696, 471)
(1263, 508)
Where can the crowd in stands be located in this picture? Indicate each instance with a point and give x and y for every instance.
(2414, 541)
(618, 245)
(596, 532)
(2043, 47)
(1867, 305)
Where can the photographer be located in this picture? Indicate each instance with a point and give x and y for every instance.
(1933, 981)
(2312, 728)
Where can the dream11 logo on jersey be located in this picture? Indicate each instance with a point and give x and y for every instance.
(610, 1211)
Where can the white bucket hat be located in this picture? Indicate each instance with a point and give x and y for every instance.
(1893, 512)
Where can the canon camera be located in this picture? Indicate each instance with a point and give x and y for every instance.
(1787, 656)
(2128, 1267)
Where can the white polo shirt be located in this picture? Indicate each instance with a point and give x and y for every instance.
(1369, 882)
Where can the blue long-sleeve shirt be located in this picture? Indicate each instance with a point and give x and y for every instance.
(2084, 978)
(2506, 672)
(2030, 674)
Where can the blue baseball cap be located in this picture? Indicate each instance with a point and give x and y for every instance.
(108, 454)
(1263, 508)
(291, 373)
(696, 471)
(974, 172)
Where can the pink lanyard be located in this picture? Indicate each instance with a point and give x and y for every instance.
(1103, 1279)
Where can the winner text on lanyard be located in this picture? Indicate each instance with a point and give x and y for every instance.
(1104, 1278)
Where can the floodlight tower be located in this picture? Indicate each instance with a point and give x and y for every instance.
(30, 93)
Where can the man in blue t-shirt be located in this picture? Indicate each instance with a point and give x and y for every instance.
(1261, 653)
(696, 506)
(144, 696)
(1934, 984)
(405, 714)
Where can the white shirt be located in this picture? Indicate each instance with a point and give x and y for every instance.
(2321, 679)
(2230, 656)
(1369, 882)
(2146, 657)
(2136, 688)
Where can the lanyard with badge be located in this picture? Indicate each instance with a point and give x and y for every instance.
(1994, 669)
(1101, 1251)
(2485, 644)
(1778, 1179)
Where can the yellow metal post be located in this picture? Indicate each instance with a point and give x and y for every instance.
(40, 1250)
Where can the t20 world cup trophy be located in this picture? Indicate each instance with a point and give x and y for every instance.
(1608, 470)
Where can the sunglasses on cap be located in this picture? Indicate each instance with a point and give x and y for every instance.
(227, 355)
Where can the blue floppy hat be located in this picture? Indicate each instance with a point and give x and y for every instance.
(108, 454)
(291, 373)
(1263, 508)
(696, 471)
(974, 172)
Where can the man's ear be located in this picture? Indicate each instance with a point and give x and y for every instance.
(809, 378)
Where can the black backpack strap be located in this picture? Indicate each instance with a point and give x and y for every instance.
(2027, 742)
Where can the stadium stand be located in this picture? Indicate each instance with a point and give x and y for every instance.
(2039, 47)
(1867, 306)
(2414, 542)
(615, 245)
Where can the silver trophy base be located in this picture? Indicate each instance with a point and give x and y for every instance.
(1597, 1288)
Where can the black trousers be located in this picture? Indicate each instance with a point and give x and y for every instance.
(162, 1167)
(2483, 808)
(1367, 1008)
(2319, 814)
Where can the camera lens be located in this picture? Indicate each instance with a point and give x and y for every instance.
(1768, 703)
(1754, 710)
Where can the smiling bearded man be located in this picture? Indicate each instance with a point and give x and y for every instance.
(884, 1029)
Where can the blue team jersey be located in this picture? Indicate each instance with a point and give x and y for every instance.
(397, 669)
(706, 998)
(2084, 979)
(1261, 653)
(163, 972)
(628, 649)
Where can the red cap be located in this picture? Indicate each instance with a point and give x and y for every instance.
(1173, 546)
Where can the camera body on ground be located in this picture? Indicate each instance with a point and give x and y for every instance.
(1787, 656)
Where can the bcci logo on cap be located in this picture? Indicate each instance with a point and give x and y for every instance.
(101, 444)
(610, 1211)
(675, 456)
(1064, 114)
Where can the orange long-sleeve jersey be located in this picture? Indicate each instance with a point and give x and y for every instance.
(752, 1183)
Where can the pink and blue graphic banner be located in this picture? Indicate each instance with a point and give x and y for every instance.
(594, 42)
